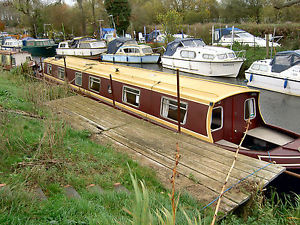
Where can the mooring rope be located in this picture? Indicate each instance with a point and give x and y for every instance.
(251, 174)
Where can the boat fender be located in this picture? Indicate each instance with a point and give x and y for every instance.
(251, 77)
(285, 82)
(127, 58)
(246, 81)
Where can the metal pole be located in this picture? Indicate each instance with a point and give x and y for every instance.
(112, 90)
(178, 102)
(212, 34)
(232, 36)
(267, 45)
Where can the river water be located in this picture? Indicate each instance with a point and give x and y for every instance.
(277, 109)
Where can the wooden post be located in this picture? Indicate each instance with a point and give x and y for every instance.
(178, 103)
(65, 68)
(41, 63)
(112, 90)
(267, 46)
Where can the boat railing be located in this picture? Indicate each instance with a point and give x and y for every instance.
(240, 54)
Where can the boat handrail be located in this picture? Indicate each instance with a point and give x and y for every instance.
(240, 54)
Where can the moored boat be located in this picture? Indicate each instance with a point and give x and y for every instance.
(10, 59)
(227, 36)
(211, 111)
(281, 74)
(125, 50)
(12, 44)
(193, 56)
(82, 47)
(39, 47)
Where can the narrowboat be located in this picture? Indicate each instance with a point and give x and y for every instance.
(194, 56)
(211, 111)
(39, 47)
(126, 50)
(10, 59)
(84, 47)
(280, 74)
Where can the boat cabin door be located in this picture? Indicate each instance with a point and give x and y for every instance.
(230, 116)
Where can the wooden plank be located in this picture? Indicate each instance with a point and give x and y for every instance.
(207, 163)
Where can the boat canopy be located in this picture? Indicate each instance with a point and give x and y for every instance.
(225, 31)
(115, 44)
(284, 60)
(188, 42)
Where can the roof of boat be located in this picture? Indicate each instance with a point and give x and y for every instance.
(8, 52)
(191, 88)
(115, 44)
(297, 52)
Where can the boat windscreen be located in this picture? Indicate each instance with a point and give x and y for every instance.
(193, 43)
(147, 50)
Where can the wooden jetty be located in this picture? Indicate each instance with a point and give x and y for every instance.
(202, 167)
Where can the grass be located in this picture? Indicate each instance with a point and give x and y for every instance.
(46, 152)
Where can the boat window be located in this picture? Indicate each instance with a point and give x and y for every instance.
(13, 61)
(216, 119)
(249, 109)
(61, 73)
(62, 45)
(84, 45)
(188, 54)
(129, 50)
(131, 96)
(98, 44)
(49, 69)
(28, 58)
(231, 55)
(94, 84)
(222, 56)
(147, 50)
(78, 79)
(169, 110)
(263, 68)
(208, 56)
(255, 66)
(30, 43)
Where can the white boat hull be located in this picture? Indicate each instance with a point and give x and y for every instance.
(203, 68)
(80, 52)
(130, 59)
(278, 84)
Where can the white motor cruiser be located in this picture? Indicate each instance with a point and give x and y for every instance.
(193, 56)
(281, 74)
(82, 47)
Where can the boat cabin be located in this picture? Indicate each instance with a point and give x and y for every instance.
(188, 49)
(10, 59)
(114, 45)
(31, 42)
(210, 110)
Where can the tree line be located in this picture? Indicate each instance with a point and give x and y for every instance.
(84, 17)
